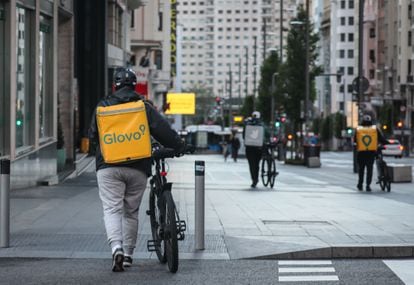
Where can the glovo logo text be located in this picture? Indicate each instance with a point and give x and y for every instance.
(127, 137)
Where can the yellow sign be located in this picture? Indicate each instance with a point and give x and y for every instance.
(180, 103)
(238, 119)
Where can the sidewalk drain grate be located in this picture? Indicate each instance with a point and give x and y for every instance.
(294, 222)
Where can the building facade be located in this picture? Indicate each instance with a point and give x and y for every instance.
(33, 73)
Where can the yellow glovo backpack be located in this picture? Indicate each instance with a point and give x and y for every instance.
(123, 132)
(367, 138)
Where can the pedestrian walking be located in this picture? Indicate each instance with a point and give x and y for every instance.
(122, 179)
(367, 137)
(253, 135)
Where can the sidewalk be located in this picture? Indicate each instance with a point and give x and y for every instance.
(305, 217)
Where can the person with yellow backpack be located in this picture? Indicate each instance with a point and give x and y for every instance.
(367, 137)
(121, 128)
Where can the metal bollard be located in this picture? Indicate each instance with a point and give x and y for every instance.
(4, 202)
(199, 204)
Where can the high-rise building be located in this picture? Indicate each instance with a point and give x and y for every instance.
(219, 35)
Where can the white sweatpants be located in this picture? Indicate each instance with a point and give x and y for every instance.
(121, 190)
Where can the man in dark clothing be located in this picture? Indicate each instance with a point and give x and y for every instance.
(367, 137)
(254, 151)
(122, 185)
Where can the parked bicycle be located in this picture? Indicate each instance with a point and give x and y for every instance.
(384, 177)
(166, 226)
(269, 172)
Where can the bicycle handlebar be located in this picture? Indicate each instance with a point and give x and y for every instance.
(160, 152)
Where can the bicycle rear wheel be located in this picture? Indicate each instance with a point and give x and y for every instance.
(266, 168)
(155, 225)
(272, 173)
(171, 241)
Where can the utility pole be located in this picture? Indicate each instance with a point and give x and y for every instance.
(240, 80)
(254, 71)
(360, 55)
(246, 82)
(307, 69)
(230, 96)
(264, 39)
(281, 32)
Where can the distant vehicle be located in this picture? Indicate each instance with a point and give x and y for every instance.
(393, 148)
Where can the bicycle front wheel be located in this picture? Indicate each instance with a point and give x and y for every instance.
(155, 225)
(272, 173)
(171, 241)
(266, 168)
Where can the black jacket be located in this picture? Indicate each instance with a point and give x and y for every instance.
(159, 130)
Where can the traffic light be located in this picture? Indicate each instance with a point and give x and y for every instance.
(277, 124)
(384, 127)
(290, 137)
(400, 124)
(349, 131)
(19, 122)
(218, 101)
(283, 119)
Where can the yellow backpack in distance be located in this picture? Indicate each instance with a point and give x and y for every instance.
(123, 132)
(367, 138)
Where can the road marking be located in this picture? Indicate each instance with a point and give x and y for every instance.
(305, 269)
(288, 268)
(306, 278)
(305, 262)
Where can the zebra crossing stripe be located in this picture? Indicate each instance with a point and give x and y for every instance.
(305, 269)
(304, 278)
(305, 262)
(287, 267)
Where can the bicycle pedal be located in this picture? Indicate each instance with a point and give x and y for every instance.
(152, 245)
(180, 236)
(181, 226)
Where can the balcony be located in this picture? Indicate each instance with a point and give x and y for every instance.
(159, 76)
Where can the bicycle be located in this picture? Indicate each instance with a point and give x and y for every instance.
(268, 172)
(384, 177)
(166, 227)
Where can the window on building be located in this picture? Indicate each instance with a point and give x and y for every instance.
(45, 82)
(23, 77)
(342, 4)
(132, 19)
(350, 70)
(371, 73)
(350, 37)
(342, 37)
(372, 33)
(351, 4)
(409, 38)
(351, 21)
(372, 55)
(341, 53)
(350, 53)
(350, 88)
(341, 70)
(341, 88)
(409, 63)
(343, 21)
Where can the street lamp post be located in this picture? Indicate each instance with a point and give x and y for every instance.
(307, 68)
(230, 97)
(272, 105)
(254, 71)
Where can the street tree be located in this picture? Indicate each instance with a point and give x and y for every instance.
(293, 70)
(270, 66)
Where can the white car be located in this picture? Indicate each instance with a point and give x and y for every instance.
(393, 148)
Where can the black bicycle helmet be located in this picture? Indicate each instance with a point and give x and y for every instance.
(124, 77)
(366, 120)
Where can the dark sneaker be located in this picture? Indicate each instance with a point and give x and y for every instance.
(368, 189)
(118, 260)
(127, 261)
(359, 187)
(253, 185)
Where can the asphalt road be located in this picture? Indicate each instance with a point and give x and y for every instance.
(97, 271)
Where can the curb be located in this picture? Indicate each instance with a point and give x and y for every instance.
(345, 252)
